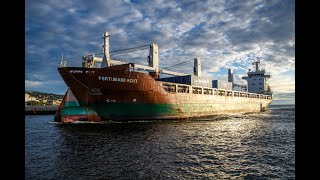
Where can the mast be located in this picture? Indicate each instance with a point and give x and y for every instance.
(106, 51)
(197, 67)
(153, 58)
(257, 62)
(230, 75)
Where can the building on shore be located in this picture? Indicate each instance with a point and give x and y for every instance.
(30, 98)
(56, 102)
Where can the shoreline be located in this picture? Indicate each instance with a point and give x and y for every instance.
(40, 110)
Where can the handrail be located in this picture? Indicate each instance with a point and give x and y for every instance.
(225, 92)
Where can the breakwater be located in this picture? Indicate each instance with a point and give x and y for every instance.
(37, 110)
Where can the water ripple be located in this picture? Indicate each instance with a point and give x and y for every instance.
(249, 146)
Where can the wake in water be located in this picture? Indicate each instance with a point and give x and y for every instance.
(202, 118)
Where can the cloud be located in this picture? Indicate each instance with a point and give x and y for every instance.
(53, 86)
(32, 84)
(222, 34)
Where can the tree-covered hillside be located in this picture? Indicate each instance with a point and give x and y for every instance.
(46, 96)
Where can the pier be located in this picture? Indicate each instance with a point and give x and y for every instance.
(40, 110)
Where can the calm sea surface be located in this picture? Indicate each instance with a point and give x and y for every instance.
(250, 146)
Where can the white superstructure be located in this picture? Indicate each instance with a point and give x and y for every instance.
(257, 80)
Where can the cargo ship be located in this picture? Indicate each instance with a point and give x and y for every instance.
(122, 91)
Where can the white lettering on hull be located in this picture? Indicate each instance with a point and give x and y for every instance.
(117, 79)
(80, 71)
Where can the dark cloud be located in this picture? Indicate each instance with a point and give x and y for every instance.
(274, 20)
(221, 33)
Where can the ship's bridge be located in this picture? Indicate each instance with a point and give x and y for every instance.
(257, 80)
(260, 73)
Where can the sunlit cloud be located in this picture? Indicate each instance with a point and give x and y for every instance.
(33, 84)
(222, 33)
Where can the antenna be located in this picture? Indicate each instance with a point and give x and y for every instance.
(257, 62)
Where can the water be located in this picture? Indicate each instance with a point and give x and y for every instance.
(250, 146)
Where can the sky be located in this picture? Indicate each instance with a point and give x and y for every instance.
(222, 33)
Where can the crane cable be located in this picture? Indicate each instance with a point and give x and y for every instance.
(181, 63)
(123, 51)
(240, 80)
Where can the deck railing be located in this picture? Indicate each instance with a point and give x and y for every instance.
(184, 88)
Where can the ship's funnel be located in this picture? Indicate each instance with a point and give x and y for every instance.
(106, 51)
